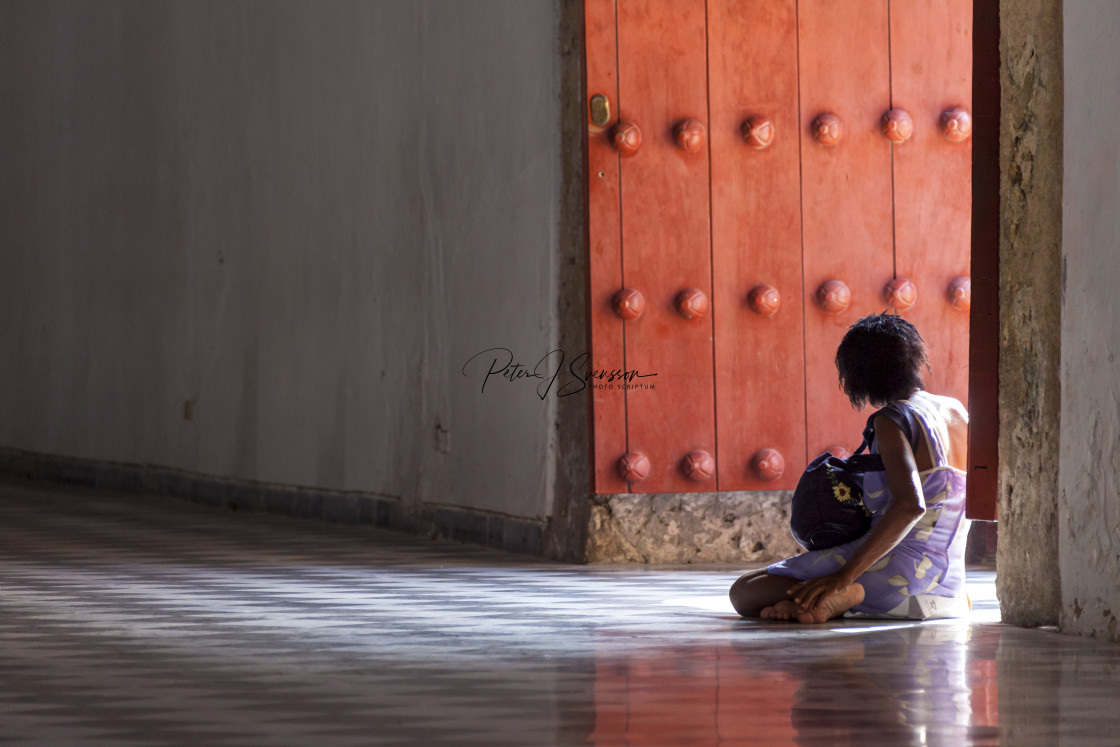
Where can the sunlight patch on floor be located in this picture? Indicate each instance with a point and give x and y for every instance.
(981, 587)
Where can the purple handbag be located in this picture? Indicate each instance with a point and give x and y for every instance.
(828, 508)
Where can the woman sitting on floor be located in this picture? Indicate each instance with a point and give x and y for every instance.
(910, 563)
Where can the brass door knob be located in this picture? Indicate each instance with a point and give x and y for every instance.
(600, 110)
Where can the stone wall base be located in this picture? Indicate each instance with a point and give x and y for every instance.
(682, 528)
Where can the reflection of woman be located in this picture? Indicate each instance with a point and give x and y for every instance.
(911, 562)
(910, 683)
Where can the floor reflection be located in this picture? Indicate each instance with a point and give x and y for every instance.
(914, 684)
(875, 683)
(125, 620)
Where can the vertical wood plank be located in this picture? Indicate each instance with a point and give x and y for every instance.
(983, 362)
(846, 194)
(608, 408)
(931, 72)
(666, 237)
(756, 239)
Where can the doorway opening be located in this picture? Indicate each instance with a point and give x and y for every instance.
(760, 175)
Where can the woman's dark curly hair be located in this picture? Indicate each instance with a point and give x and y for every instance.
(880, 360)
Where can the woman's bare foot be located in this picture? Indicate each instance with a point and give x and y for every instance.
(783, 610)
(832, 606)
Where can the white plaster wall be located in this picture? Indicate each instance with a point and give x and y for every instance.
(1089, 473)
(299, 217)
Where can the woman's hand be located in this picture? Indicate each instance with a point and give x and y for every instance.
(812, 591)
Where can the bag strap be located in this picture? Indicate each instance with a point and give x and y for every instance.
(868, 435)
(905, 420)
(865, 463)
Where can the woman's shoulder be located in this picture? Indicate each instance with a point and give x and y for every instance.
(907, 417)
(941, 402)
(947, 416)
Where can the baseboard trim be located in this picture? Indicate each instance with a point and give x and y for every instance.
(340, 507)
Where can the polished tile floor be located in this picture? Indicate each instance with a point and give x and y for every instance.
(132, 620)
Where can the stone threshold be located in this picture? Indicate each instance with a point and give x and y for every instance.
(684, 528)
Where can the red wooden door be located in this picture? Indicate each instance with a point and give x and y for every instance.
(761, 175)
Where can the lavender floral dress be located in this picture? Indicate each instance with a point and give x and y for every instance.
(923, 576)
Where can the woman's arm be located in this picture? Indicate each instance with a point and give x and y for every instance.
(900, 517)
